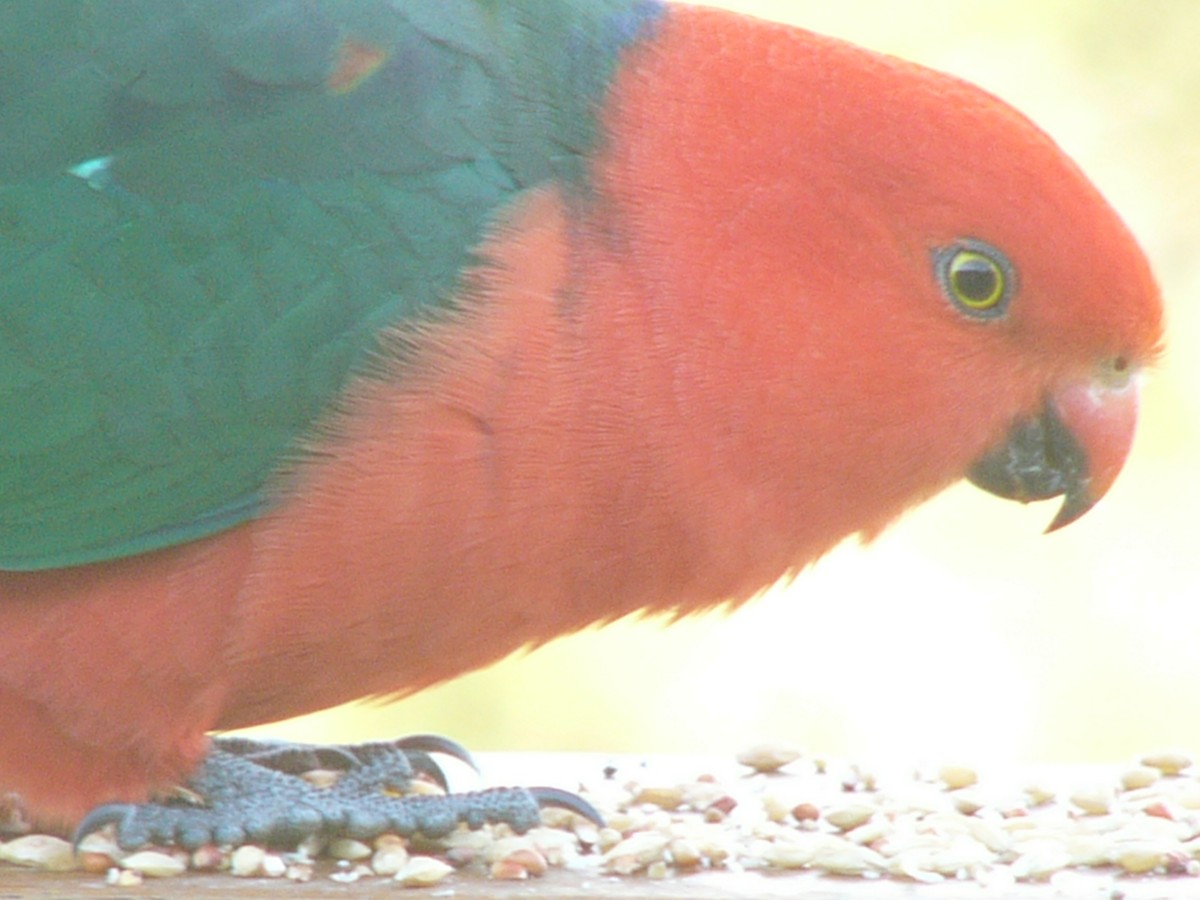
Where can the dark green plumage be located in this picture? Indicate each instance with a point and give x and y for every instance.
(200, 238)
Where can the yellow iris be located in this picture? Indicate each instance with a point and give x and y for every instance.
(975, 280)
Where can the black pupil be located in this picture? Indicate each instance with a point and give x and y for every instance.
(975, 279)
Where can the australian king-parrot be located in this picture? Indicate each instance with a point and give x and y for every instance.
(347, 347)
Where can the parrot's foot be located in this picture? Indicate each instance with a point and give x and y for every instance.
(254, 792)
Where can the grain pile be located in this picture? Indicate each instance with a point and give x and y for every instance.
(775, 811)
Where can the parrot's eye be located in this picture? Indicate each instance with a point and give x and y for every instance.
(976, 277)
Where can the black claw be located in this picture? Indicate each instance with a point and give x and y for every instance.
(244, 746)
(294, 759)
(424, 764)
(556, 797)
(108, 814)
(334, 757)
(435, 743)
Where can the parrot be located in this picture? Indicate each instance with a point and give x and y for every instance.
(349, 347)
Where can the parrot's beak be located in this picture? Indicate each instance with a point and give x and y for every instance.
(1075, 447)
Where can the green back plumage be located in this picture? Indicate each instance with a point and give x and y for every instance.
(200, 238)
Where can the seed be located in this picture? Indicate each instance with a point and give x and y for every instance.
(586, 832)
(849, 859)
(626, 820)
(1141, 858)
(273, 866)
(789, 854)
(1040, 862)
(716, 853)
(1095, 801)
(553, 817)
(869, 832)
(1188, 795)
(989, 834)
(684, 853)
(310, 847)
(389, 860)
(955, 777)
(1039, 795)
(962, 855)
(806, 812)
(668, 798)
(657, 870)
(422, 871)
(247, 860)
(100, 842)
(714, 816)
(844, 818)
(98, 852)
(607, 838)
(207, 858)
(346, 848)
(123, 878)
(636, 852)
(967, 802)
(40, 851)
(1169, 763)
(557, 847)
(96, 863)
(776, 806)
(1139, 777)
(508, 870)
(768, 757)
(909, 866)
(421, 786)
(701, 794)
(387, 841)
(528, 859)
(722, 806)
(154, 864)
(1088, 850)
(1159, 810)
(322, 778)
(349, 875)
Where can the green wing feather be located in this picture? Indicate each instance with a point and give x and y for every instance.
(202, 233)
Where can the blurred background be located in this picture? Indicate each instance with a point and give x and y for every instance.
(963, 633)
